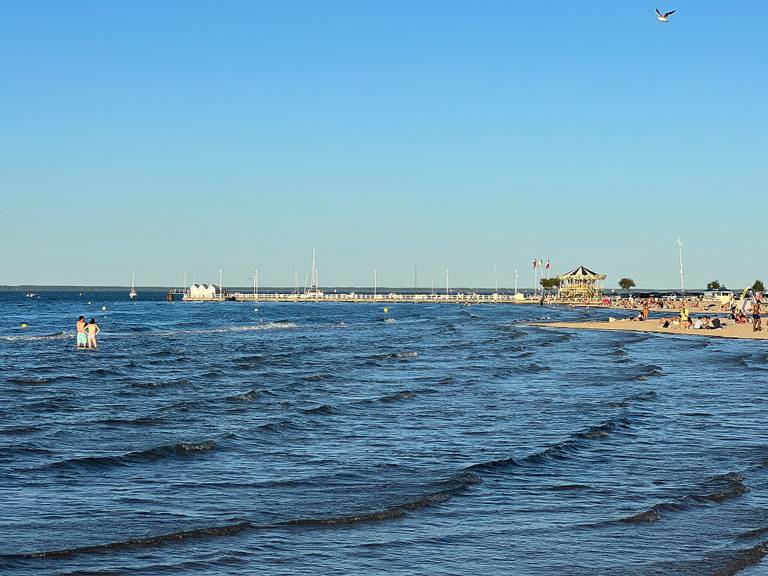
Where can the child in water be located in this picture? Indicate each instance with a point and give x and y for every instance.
(92, 329)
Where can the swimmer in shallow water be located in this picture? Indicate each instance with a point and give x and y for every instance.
(82, 340)
(92, 330)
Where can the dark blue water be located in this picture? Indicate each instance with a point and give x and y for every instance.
(323, 438)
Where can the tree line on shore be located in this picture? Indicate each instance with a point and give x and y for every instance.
(627, 284)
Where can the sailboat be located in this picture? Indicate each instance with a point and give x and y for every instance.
(314, 288)
(132, 294)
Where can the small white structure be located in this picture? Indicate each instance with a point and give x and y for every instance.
(204, 292)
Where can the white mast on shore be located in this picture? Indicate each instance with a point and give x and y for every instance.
(185, 281)
(132, 294)
(496, 279)
(515, 280)
(221, 286)
(375, 282)
(447, 290)
(682, 272)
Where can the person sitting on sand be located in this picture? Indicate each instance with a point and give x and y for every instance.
(716, 323)
(698, 325)
(92, 330)
(82, 340)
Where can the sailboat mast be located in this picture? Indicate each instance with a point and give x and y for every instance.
(314, 270)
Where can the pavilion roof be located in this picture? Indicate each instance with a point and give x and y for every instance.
(582, 272)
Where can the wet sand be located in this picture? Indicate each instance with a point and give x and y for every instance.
(732, 330)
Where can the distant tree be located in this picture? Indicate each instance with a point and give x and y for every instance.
(758, 286)
(627, 284)
(549, 283)
(714, 285)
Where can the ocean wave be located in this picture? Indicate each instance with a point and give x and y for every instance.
(739, 560)
(560, 450)
(248, 362)
(712, 491)
(322, 409)
(138, 421)
(182, 449)
(532, 368)
(447, 490)
(395, 356)
(30, 380)
(34, 338)
(629, 400)
(642, 372)
(163, 383)
(402, 395)
(245, 396)
(320, 377)
(19, 430)
(197, 533)
(752, 534)
(232, 329)
(444, 492)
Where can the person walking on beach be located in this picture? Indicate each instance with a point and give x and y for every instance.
(82, 340)
(757, 322)
(92, 330)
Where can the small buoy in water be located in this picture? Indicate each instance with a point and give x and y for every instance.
(23, 324)
(89, 301)
(255, 309)
(386, 310)
(104, 308)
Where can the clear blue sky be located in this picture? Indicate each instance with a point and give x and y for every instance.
(159, 136)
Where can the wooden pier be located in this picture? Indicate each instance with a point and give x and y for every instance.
(465, 298)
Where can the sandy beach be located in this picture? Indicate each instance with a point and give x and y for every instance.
(731, 330)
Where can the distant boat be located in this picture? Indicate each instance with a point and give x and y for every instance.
(31, 295)
(132, 294)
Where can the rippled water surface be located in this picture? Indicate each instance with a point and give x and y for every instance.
(325, 438)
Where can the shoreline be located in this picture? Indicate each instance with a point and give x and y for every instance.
(731, 330)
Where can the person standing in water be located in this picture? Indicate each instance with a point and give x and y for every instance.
(82, 340)
(92, 330)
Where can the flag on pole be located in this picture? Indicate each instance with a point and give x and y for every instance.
(547, 263)
(534, 262)
(541, 263)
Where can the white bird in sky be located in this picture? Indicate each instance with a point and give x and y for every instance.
(663, 17)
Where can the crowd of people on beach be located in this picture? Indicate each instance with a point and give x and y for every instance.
(742, 312)
(86, 333)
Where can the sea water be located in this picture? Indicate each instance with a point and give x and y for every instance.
(322, 438)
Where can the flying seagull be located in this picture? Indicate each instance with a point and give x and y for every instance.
(663, 17)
